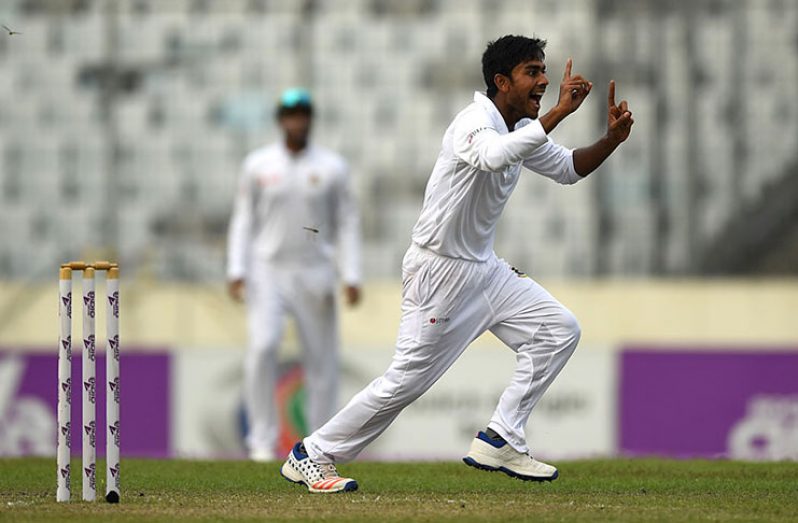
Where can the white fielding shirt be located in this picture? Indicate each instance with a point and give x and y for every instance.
(477, 169)
(282, 200)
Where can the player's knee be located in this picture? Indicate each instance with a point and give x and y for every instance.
(570, 328)
(383, 388)
(387, 391)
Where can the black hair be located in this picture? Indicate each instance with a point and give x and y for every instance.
(502, 55)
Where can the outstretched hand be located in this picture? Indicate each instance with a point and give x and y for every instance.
(619, 117)
(573, 89)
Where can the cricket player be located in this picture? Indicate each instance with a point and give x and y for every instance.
(454, 287)
(294, 206)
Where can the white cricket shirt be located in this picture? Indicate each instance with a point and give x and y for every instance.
(476, 171)
(283, 199)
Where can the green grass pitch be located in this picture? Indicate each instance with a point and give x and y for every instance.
(596, 490)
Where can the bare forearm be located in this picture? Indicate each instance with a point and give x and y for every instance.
(587, 159)
(550, 120)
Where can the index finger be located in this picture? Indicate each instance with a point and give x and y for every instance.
(611, 95)
(568, 65)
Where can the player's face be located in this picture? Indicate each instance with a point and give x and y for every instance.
(528, 83)
(296, 126)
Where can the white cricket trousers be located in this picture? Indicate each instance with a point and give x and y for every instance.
(307, 294)
(446, 304)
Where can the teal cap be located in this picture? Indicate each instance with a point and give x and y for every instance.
(295, 97)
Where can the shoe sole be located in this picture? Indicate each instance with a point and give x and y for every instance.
(349, 487)
(471, 462)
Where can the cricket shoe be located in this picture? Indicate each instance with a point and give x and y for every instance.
(491, 454)
(318, 477)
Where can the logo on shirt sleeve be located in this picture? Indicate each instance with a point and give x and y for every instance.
(519, 272)
(472, 134)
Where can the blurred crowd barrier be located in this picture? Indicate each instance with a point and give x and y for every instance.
(156, 314)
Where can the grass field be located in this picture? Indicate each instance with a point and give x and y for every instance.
(612, 490)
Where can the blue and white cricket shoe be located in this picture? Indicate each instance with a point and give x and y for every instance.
(497, 455)
(321, 478)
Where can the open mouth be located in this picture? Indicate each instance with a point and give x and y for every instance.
(536, 97)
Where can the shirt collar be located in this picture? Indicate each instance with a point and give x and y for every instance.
(493, 111)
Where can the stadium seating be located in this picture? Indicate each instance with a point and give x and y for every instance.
(182, 89)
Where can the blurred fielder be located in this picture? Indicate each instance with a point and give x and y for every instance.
(455, 287)
(294, 204)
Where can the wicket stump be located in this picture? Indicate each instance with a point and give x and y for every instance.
(88, 381)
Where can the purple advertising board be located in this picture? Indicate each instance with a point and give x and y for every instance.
(709, 403)
(28, 400)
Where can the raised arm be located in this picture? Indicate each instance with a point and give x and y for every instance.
(573, 91)
(478, 143)
(619, 126)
